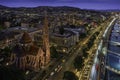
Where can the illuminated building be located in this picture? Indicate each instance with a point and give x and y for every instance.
(26, 55)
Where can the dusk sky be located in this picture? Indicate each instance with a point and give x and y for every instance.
(84, 4)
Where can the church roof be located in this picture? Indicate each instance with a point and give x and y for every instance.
(22, 51)
(25, 38)
(33, 50)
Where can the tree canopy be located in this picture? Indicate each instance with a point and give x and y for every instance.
(68, 75)
(11, 73)
(78, 62)
(53, 51)
(61, 30)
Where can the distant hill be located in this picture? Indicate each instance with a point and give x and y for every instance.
(52, 10)
(111, 10)
(3, 7)
(41, 8)
(57, 8)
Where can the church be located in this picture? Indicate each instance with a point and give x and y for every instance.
(27, 55)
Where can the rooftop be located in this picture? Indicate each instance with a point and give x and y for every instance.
(25, 38)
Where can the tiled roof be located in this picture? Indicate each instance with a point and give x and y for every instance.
(22, 51)
(25, 38)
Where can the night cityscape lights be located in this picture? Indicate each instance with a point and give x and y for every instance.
(59, 40)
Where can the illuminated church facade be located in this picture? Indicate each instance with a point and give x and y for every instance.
(27, 55)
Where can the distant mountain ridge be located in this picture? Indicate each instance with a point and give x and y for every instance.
(40, 9)
(57, 8)
(112, 10)
(2, 7)
(45, 7)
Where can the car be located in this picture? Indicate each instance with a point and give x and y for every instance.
(88, 66)
(85, 78)
(87, 69)
(85, 73)
(1, 59)
(63, 60)
(102, 63)
(27, 72)
(56, 69)
(90, 63)
(52, 73)
(59, 68)
(91, 60)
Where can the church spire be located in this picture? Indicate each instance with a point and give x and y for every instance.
(46, 46)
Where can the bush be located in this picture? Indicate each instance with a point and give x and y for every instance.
(78, 62)
(54, 53)
(68, 75)
(11, 73)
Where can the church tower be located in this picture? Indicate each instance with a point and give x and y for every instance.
(46, 46)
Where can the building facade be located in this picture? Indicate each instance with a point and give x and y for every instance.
(27, 55)
(64, 42)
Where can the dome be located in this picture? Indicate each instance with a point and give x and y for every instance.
(25, 38)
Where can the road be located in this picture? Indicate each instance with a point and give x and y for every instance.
(88, 67)
(113, 54)
(68, 65)
(89, 62)
(94, 73)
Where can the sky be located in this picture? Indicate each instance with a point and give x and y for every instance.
(84, 4)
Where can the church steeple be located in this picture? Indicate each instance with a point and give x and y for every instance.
(46, 46)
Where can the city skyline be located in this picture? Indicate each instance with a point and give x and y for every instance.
(83, 4)
(60, 40)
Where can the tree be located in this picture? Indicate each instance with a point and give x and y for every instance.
(85, 54)
(5, 54)
(1, 27)
(78, 62)
(82, 35)
(6, 51)
(53, 51)
(43, 73)
(61, 30)
(68, 75)
(84, 50)
(11, 73)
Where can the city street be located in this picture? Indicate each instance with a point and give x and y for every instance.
(59, 40)
(86, 71)
(68, 65)
(96, 74)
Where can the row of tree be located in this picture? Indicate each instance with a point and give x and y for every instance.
(79, 60)
(68, 75)
(91, 40)
(11, 73)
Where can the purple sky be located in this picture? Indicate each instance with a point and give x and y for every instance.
(84, 4)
